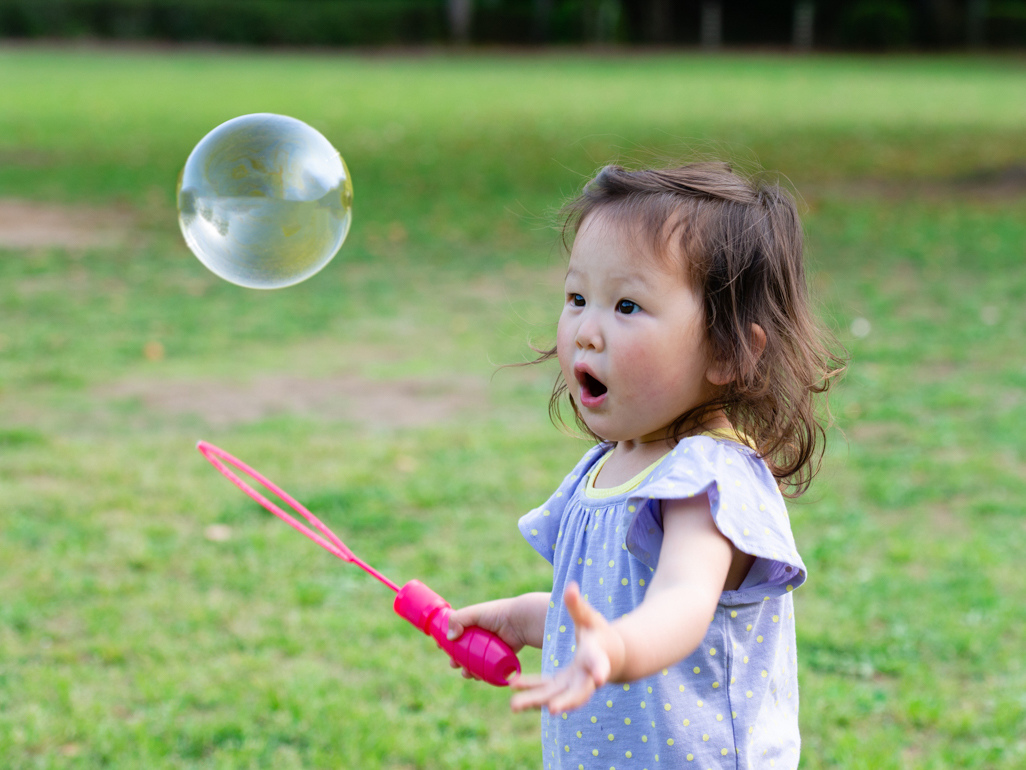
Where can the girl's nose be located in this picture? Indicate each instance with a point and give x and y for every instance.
(589, 334)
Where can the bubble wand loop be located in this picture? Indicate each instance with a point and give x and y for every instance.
(479, 651)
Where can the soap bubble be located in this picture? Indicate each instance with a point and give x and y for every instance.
(264, 201)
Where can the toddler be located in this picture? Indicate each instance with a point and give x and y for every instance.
(688, 351)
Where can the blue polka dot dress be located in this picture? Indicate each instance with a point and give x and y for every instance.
(734, 702)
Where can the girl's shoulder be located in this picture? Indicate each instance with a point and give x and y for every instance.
(744, 499)
(541, 526)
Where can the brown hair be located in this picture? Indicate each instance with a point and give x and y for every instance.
(742, 241)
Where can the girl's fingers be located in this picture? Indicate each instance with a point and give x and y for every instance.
(538, 696)
(455, 628)
(528, 681)
(583, 614)
(575, 695)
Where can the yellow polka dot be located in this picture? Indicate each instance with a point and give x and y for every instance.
(733, 714)
(566, 748)
(748, 627)
(669, 741)
(750, 729)
(686, 722)
(691, 757)
(700, 704)
(610, 736)
(594, 752)
(705, 737)
(630, 509)
(650, 690)
(745, 532)
(719, 717)
(564, 715)
(790, 588)
(765, 673)
(667, 707)
(665, 672)
(552, 604)
(594, 720)
(534, 532)
(628, 755)
(588, 563)
(643, 704)
(626, 687)
(578, 733)
(723, 752)
(611, 562)
(562, 629)
(745, 659)
(759, 639)
(623, 581)
(716, 685)
(733, 679)
(733, 613)
(697, 670)
(609, 703)
(644, 739)
(765, 598)
(622, 545)
(776, 618)
(555, 663)
(579, 560)
(602, 581)
(641, 582)
(712, 650)
(627, 721)
(749, 694)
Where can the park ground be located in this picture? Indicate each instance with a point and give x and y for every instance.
(150, 617)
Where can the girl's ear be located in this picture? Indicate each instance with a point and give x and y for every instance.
(721, 373)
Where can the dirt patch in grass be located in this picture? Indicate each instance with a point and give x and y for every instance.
(988, 184)
(375, 403)
(27, 225)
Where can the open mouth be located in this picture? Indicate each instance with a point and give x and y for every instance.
(591, 386)
(593, 391)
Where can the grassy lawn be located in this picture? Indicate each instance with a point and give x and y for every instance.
(132, 635)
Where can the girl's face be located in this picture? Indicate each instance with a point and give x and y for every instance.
(631, 340)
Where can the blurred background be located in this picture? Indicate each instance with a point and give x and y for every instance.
(151, 617)
(865, 24)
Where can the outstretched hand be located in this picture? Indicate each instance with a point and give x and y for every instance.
(598, 655)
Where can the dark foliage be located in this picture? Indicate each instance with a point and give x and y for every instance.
(850, 24)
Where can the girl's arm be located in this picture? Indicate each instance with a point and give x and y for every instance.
(670, 623)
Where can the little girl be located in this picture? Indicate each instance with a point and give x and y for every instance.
(689, 352)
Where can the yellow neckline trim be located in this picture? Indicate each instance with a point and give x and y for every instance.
(627, 486)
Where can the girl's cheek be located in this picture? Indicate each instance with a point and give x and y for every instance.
(564, 345)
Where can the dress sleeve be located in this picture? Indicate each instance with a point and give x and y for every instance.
(542, 526)
(746, 506)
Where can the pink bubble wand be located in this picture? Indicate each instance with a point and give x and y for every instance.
(479, 651)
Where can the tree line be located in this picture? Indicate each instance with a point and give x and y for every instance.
(797, 24)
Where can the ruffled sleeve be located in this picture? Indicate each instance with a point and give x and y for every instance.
(541, 527)
(746, 506)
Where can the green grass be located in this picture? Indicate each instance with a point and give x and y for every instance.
(130, 640)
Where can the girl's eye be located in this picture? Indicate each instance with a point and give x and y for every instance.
(577, 300)
(627, 307)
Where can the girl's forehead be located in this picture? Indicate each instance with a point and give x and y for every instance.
(615, 247)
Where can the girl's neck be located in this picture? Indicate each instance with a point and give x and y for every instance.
(658, 443)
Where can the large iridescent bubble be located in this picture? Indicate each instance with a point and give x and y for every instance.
(265, 201)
